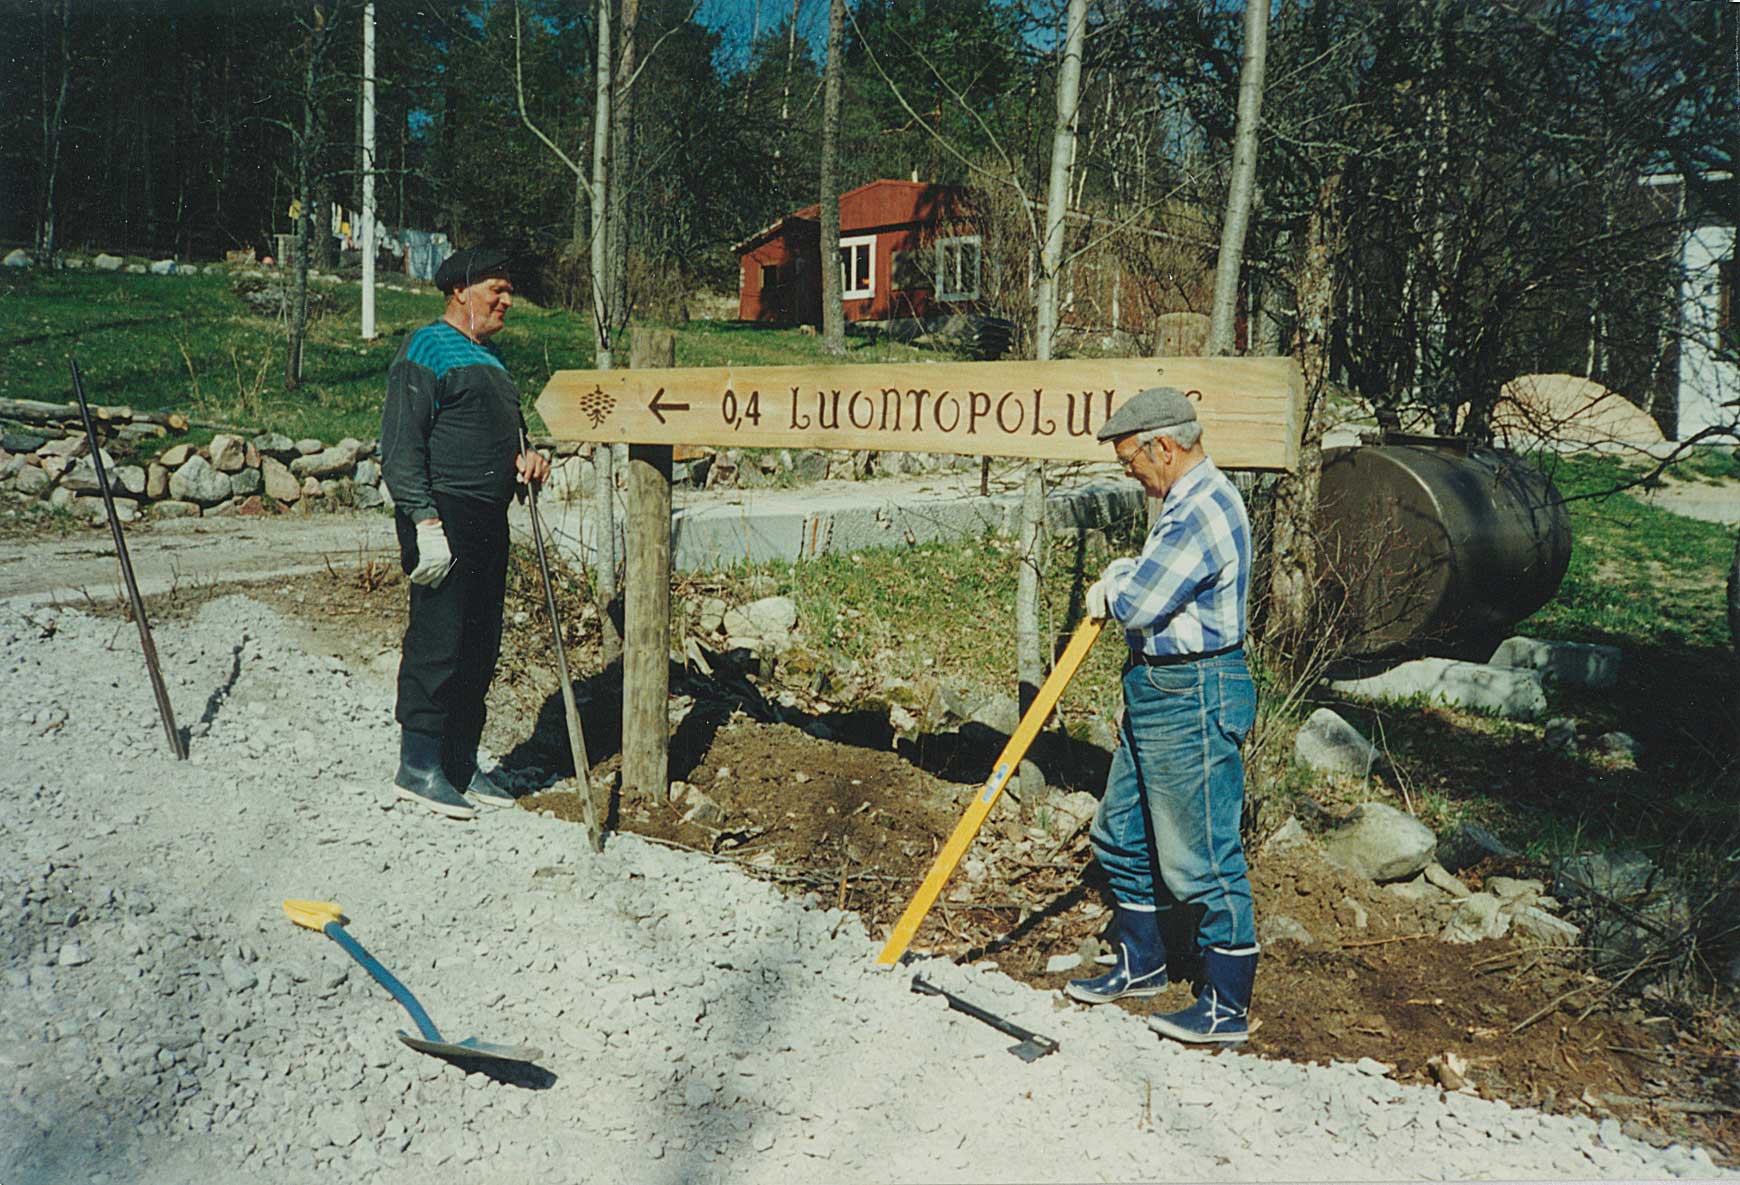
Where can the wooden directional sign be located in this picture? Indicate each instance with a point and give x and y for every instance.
(1249, 407)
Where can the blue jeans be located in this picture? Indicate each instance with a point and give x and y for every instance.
(1167, 830)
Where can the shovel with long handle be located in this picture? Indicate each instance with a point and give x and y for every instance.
(327, 918)
(576, 739)
(944, 864)
(176, 745)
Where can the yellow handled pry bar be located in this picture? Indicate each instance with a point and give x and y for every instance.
(1007, 762)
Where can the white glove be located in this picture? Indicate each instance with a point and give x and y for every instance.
(1096, 600)
(1100, 594)
(434, 558)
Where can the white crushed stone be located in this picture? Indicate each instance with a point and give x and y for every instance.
(168, 1023)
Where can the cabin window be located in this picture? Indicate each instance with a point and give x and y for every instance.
(770, 277)
(857, 262)
(957, 268)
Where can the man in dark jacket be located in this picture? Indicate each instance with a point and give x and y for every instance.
(451, 437)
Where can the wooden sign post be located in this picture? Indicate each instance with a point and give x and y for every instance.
(1249, 408)
(646, 675)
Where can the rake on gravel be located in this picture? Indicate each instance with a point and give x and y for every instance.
(1067, 664)
(177, 745)
(327, 918)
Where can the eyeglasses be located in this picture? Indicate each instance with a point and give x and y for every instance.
(1129, 462)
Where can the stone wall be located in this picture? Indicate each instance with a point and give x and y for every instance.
(268, 474)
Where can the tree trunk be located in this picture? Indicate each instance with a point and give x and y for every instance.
(305, 147)
(1029, 650)
(1243, 184)
(603, 323)
(621, 163)
(1294, 560)
(790, 65)
(53, 125)
(833, 312)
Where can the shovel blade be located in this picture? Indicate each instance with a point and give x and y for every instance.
(472, 1047)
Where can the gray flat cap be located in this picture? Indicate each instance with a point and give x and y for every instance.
(1157, 407)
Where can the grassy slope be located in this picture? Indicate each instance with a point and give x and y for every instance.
(187, 343)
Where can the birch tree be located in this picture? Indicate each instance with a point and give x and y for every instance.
(1029, 650)
(1241, 188)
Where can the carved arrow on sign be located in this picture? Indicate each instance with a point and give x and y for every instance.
(659, 409)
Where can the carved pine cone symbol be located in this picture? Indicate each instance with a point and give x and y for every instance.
(596, 406)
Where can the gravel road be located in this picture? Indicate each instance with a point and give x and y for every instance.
(168, 1024)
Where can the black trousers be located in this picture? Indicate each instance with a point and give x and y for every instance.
(453, 638)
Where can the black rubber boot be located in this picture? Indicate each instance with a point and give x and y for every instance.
(459, 761)
(1140, 971)
(420, 778)
(487, 790)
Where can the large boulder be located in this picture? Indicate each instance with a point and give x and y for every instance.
(17, 257)
(1568, 408)
(105, 262)
(330, 462)
(1503, 692)
(196, 481)
(163, 267)
(31, 481)
(1476, 917)
(280, 483)
(1381, 843)
(1329, 744)
(769, 620)
(1567, 664)
(82, 477)
(228, 453)
(1467, 844)
(275, 444)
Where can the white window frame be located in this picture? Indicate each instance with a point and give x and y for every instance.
(847, 291)
(944, 280)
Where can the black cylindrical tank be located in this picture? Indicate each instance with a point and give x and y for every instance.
(1431, 544)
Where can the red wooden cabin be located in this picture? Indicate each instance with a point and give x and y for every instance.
(898, 258)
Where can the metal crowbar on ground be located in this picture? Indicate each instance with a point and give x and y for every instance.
(1029, 1046)
(1025, 732)
(327, 918)
(177, 745)
(576, 739)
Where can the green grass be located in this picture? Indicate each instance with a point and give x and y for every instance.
(188, 344)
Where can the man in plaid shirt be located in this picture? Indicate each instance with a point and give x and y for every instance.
(1167, 830)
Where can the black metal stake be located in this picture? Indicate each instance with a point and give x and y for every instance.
(176, 745)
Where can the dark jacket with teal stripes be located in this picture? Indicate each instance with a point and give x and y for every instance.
(451, 423)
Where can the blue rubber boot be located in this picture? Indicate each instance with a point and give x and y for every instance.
(1141, 967)
(1221, 1014)
(420, 778)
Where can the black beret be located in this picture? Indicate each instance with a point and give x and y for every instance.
(464, 268)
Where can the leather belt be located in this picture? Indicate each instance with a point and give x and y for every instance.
(1137, 658)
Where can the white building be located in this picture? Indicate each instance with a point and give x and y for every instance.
(1709, 347)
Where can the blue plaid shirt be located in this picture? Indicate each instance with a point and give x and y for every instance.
(1186, 593)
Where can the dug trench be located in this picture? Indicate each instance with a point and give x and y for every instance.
(804, 783)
